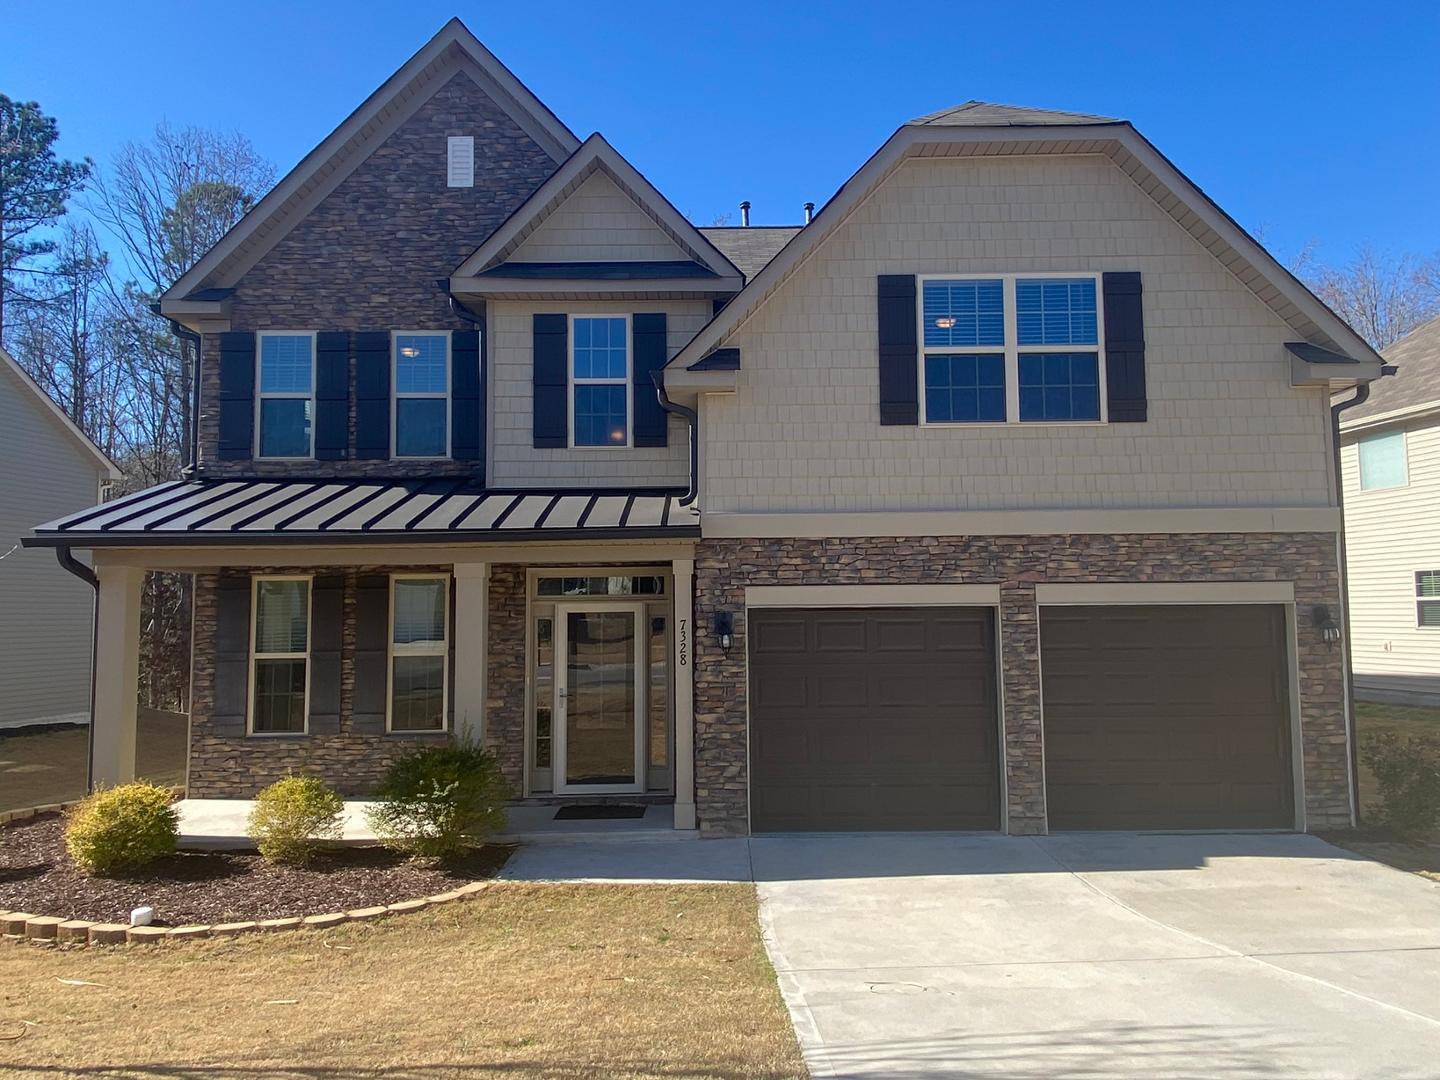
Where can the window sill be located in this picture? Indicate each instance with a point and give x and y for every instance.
(966, 424)
(417, 734)
(277, 734)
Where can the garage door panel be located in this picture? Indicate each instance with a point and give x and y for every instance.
(1166, 717)
(898, 734)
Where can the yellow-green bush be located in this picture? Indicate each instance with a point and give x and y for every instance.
(295, 817)
(122, 827)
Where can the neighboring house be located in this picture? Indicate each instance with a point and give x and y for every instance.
(1390, 461)
(51, 470)
(997, 497)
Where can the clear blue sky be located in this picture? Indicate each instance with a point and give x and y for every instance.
(1309, 122)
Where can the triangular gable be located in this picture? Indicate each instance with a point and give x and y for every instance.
(1151, 171)
(597, 157)
(58, 415)
(453, 50)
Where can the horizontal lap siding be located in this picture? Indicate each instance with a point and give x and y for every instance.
(803, 433)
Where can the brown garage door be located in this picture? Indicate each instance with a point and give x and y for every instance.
(1166, 717)
(880, 718)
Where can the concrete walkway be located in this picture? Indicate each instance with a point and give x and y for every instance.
(1082, 955)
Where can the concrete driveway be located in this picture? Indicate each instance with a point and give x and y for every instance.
(1101, 955)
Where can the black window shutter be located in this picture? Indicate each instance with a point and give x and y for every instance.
(231, 656)
(1124, 348)
(899, 352)
(551, 357)
(372, 395)
(327, 620)
(372, 632)
(237, 395)
(650, 422)
(332, 395)
(467, 407)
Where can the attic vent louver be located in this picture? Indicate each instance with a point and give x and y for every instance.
(460, 161)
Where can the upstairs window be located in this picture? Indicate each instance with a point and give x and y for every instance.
(1427, 599)
(1011, 348)
(422, 395)
(1382, 461)
(286, 401)
(419, 654)
(600, 380)
(280, 655)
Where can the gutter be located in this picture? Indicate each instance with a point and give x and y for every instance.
(184, 333)
(693, 419)
(69, 563)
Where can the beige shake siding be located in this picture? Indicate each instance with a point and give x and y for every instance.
(513, 459)
(803, 431)
(1391, 533)
(598, 223)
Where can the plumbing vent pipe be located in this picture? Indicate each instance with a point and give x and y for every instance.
(745, 213)
(809, 212)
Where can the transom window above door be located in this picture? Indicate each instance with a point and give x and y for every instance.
(600, 380)
(422, 395)
(1011, 348)
(285, 404)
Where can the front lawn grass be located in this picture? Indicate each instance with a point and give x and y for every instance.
(525, 980)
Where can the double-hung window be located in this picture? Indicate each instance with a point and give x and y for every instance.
(422, 395)
(285, 405)
(280, 655)
(419, 652)
(1011, 348)
(1427, 599)
(600, 380)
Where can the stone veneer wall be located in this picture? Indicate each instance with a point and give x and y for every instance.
(236, 767)
(505, 679)
(723, 569)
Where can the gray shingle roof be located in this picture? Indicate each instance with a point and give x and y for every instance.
(1417, 355)
(989, 114)
(750, 248)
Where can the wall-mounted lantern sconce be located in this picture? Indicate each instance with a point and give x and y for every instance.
(725, 629)
(1325, 623)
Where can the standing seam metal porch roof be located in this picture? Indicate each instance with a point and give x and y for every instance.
(321, 511)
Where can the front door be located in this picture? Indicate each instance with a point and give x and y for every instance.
(599, 695)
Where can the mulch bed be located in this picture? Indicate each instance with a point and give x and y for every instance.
(37, 875)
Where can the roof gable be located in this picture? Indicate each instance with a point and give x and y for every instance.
(989, 114)
(46, 404)
(453, 50)
(1414, 389)
(598, 222)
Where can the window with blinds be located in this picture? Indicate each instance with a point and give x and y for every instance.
(1427, 599)
(419, 652)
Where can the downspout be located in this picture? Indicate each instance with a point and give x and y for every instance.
(1362, 394)
(693, 419)
(68, 562)
(184, 333)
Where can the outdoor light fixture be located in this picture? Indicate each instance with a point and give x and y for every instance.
(725, 629)
(1325, 623)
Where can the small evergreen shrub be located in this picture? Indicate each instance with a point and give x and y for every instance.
(294, 818)
(121, 828)
(438, 801)
(1407, 770)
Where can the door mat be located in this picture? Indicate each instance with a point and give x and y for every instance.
(597, 813)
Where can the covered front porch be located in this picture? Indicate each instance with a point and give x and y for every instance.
(565, 650)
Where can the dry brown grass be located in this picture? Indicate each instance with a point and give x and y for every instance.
(526, 980)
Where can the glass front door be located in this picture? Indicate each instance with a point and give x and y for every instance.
(599, 653)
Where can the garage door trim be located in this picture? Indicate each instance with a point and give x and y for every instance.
(880, 595)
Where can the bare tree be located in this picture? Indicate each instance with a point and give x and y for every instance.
(1382, 297)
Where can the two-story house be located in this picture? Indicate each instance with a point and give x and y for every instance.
(999, 496)
(1391, 469)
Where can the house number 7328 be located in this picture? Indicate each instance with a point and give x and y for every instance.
(683, 644)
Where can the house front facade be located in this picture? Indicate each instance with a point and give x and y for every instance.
(1390, 457)
(999, 496)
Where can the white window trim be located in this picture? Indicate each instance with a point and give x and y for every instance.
(261, 397)
(571, 382)
(1415, 584)
(396, 396)
(256, 656)
(1011, 350)
(419, 648)
(1360, 464)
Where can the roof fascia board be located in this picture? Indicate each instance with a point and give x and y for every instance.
(108, 467)
(1394, 416)
(596, 153)
(685, 386)
(560, 288)
(1337, 375)
(475, 60)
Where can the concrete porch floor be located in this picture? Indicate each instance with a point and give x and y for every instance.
(219, 825)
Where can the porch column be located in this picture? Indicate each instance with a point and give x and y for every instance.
(472, 592)
(684, 666)
(116, 675)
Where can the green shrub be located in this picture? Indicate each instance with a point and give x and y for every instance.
(293, 818)
(1407, 769)
(121, 828)
(438, 801)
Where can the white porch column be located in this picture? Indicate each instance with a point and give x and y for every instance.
(472, 654)
(117, 675)
(684, 665)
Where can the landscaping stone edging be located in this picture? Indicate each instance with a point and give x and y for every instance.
(22, 925)
(7, 816)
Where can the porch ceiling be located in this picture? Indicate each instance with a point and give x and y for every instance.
(261, 511)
